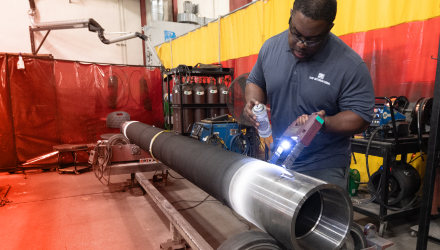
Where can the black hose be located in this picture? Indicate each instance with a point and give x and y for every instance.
(368, 148)
(419, 126)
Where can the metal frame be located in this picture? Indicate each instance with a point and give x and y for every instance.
(386, 150)
(32, 30)
(179, 227)
(61, 168)
(432, 163)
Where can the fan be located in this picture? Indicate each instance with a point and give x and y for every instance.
(236, 99)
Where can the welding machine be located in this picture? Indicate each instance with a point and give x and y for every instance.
(382, 119)
(210, 131)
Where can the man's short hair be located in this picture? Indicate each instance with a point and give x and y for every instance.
(317, 9)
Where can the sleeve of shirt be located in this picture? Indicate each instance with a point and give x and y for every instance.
(257, 75)
(357, 95)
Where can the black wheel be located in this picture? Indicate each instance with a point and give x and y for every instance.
(12, 172)
(251, 240)
(45, 169)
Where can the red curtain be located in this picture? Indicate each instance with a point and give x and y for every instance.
(34, 106)
(8, 155)
(241, 65)
(399, 57)
(54, 102)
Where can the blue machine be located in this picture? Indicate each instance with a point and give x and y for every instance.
(204, 131)
(386, 116)
(382, 117)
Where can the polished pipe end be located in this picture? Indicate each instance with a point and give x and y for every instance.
(299, 211)
(323, 220)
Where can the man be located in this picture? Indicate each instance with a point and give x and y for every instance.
(307, 69)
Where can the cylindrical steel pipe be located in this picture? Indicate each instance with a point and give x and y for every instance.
(299, 211)
(122, 38)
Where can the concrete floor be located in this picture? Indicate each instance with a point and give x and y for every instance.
(52, 211)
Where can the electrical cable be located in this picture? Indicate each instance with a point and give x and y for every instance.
(376, 195)
(415, 158)
(403, 208)
(215, 138)
(354, 157)
(177, 178)
(369, 200)
(101, 170)
(56, 198)
(419, 125)
(242, 221)
(206, 200)
(240, 144)
(368, 148)
(174, 202)
(194, 205)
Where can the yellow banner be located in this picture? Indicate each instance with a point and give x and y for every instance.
(243, 33)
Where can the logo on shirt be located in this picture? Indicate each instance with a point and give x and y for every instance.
(320, 78)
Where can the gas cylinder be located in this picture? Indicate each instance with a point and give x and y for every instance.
(199, 98)
(222, 96)
(212, 97)
(176, 100)
(188, 113)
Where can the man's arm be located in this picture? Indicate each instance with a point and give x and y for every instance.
(345, 123)
(253, 95)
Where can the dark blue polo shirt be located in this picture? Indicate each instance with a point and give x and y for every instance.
(335, 79)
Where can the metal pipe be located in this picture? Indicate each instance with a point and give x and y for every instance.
(157, 10)
(122, 38)
(78, 23)
(299, 211)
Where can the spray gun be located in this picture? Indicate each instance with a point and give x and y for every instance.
(294, 139)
